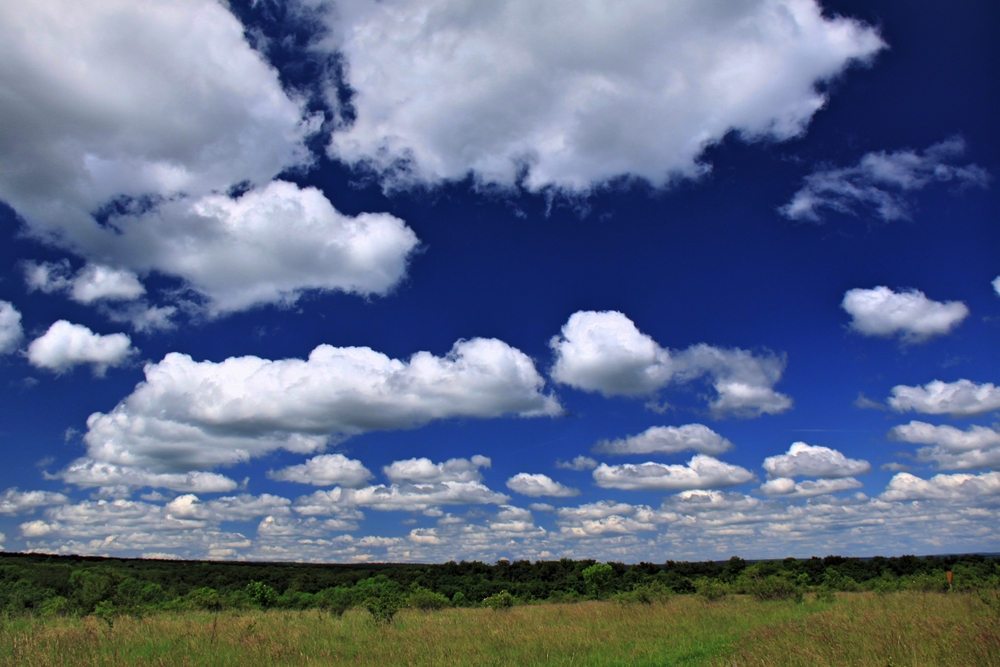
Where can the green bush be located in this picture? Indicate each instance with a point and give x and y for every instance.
(335, 600)
(598, 578)
(381, 596)
(710, 589)
(261, 594)
(501, 601)
(426, 600)
(646, 593)
(774, 587)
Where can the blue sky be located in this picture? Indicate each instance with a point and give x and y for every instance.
(435, 280)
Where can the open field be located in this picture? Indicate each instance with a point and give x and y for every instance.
(909, 628)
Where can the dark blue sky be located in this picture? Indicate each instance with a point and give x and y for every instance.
(534, 187)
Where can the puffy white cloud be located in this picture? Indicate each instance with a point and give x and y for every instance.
(606, 352)
(13, 501)
(425, 471)
(151, 159)
(958, 399)
(88, 473)
(668, 440)
(514, 521)
(789, 488)
(701, 472)
(325, 470)
(743, 381)
(189, 415)
(952, 449)
(266, 246)
(882, 312)
(948, 437)
(66, 345)
(958, 487)
(94, 282)
(10, 328)
(402, 497)
(539, 485)
(572, 96)
(591, 511)
(996, 285)
(579, 463)
(228, 508)
(809, 461)
(883, 182)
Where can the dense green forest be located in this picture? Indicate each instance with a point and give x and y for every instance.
(60, 585)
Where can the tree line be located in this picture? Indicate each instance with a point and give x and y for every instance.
(58, 585)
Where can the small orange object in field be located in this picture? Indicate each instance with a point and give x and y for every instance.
(948, 574)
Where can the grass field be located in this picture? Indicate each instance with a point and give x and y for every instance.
(912, 629)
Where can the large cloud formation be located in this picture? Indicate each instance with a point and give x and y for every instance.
(188, 415)
(606, 352)
(883, 312)
(597, 92)
(103, 162)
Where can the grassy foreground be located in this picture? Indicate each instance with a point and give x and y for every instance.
(913, 629)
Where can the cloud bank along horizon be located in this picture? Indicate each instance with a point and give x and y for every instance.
(440, 280)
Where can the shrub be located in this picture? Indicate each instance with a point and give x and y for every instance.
(501, 601)
(261, 594)
(774, 587)
(427, 600)
(598, 579)
(646, 593)
(381, 596)
(710, 589)
(335, 600)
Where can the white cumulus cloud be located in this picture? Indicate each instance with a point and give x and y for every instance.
(957, 487)
(94, 282)
(14, 501)
(883, 182)
(668, 440)
(400, 497)
(606, 352)
(571, 96)
(151, 159)
(539, 485)
(267, 246)
(883, 312)
(951, 448)
(325, 470)
(188, 415)
(701, 472)
(11, 332)
(88, 473)
(66, 345)
(962, 398)
(813, 461)
(425, 471)
(788, 488)
(578, 463)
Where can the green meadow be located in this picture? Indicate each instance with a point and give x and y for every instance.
(862, 629)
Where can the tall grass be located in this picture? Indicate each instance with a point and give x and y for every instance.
(855, 630)
(866, 630)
